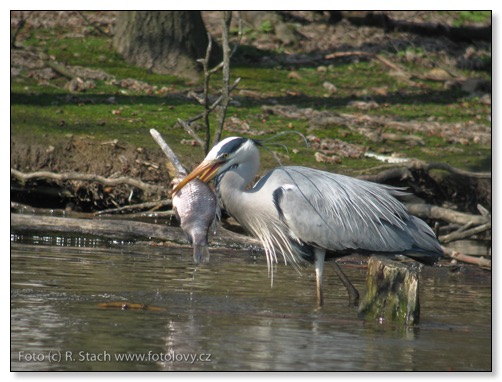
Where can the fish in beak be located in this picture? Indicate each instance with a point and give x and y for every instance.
(205, 171)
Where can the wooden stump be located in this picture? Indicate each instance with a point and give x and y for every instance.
(391, 292)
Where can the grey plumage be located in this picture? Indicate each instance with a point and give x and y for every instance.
(302, 213)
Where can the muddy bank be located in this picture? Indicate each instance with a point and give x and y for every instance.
(116, 159)
(86, 155)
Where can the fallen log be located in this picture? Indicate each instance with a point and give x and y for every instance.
(120, 230)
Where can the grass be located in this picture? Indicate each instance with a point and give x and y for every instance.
(48, 111)
(471, 17)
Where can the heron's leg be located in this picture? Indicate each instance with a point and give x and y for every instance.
(353, 293)
(319, 255)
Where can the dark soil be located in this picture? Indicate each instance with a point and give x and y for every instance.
(85, 155)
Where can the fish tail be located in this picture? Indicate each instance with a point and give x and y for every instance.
(200, 253)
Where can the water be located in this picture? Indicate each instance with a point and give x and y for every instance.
(225, 315)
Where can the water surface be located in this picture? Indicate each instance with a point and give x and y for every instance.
(225, 315)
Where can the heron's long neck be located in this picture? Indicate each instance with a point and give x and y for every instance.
(232, 186)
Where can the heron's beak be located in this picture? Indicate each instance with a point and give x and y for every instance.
(205, 171)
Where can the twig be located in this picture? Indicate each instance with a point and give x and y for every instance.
(225, 91)
(20, 24)
(143, 214)
(454, 170)
(111, 211)
(346, 54)
(384, 176)
(439, 213)
(480, 261)
(405, 75)
(214, 104)
(89, 22)
(224, 98)
(67, 212)
(464, 234)
(169, 152)
(483, 211)
(207, 77)
(234, 49)
(57, 67)
(425, 166)
(86, 177)
(186, 124)
(192, 133)
(239, 36)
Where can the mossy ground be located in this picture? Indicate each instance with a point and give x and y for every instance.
(44, 112)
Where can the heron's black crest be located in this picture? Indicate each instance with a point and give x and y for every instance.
(232, 146)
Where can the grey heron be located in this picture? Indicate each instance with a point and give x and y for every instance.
(304, 213)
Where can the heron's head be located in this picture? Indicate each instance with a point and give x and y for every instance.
(229, 153)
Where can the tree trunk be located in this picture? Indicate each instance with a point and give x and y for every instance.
(165, 42)
(391, 292)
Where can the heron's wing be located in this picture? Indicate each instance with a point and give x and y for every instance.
(339, 213)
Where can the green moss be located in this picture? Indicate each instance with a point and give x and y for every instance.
(470, 17)
(110, 112)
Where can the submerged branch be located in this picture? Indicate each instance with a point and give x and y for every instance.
(114, 229)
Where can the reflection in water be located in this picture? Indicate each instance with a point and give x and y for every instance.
(225, 315)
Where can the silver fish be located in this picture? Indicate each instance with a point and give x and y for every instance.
(197, 210)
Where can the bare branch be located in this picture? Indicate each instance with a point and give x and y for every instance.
(404, 168)
(454, 170)
(464, 233)
(225, 91)
(192, 133)
(169, 152)
(89, 22)
(480, 261)
(20, 24)
(483, 211)
(86, 177)
(224, 99)
(214, 104)
(151, 205)
(428, 211)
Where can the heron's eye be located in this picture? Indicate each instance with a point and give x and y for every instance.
(224, 156)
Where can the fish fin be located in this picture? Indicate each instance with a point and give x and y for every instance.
(200, 254)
